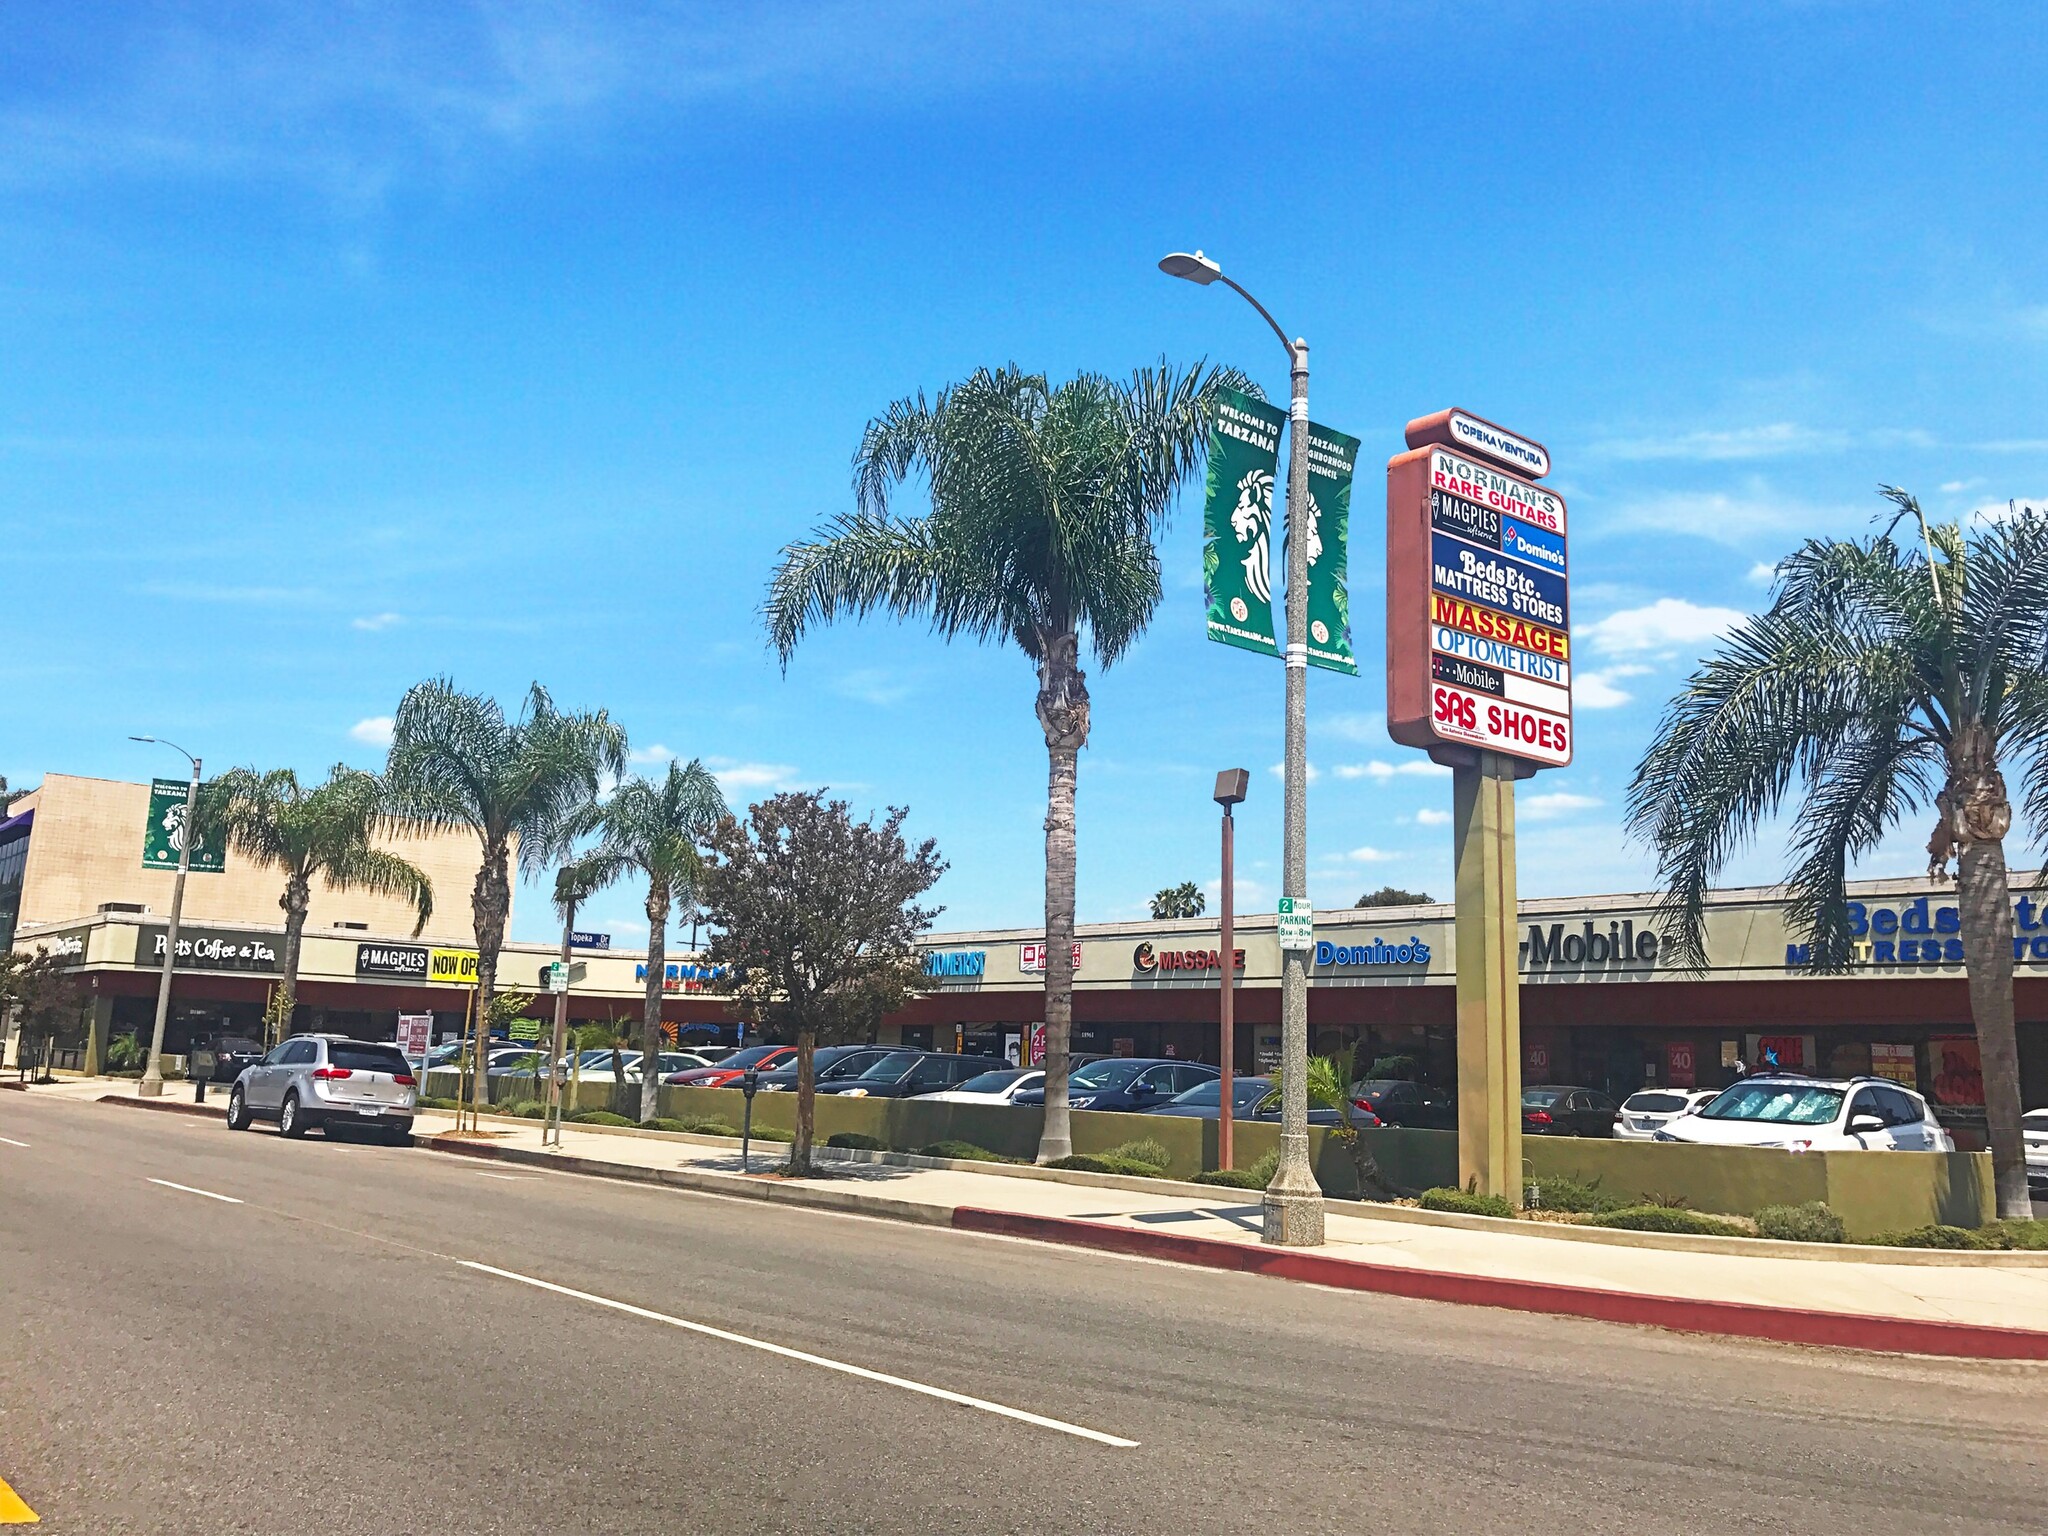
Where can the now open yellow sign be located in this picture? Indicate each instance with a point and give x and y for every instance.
(451, 967)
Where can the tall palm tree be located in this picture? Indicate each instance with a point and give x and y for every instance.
(457, 761)
(656, 828)
(1043, 506)
(1879, 681)
(312, 834)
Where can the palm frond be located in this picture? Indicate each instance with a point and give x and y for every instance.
(362, 868)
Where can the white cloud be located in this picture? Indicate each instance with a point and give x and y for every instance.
(376, 621)
(1765, 442)
(1597, 690)
(733, 774)
(653, 753)
(1367, 727)
(879, 686)
(2003, 511)
(1380, 771)
(1550, 807)
(1762, 574)
(1428, 818)
(373, 732)
(1373, 856)
(1670, 624)
(1279, 771)
(1757, 512)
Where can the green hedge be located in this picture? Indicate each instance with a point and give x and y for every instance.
(1813, 1222)
(1940, 1236)
(1664, 1218)
(598, 1117)
(1108, 1162)
(1579, 1197)
(963, 1151)
(1466, 1202)
(1258, 1176)
(856, 1141)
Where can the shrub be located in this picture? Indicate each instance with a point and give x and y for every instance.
(769, 1133)
(1107, 1162)
(532, 1109)
(1572, 1195)
(1668, 1218)
(2025, 1234)
(963, 1151)
(1144, 1150)
(598, 1117)
(856, 1141)
(432, 1101)
(1939, 1236)
(692, 1125)
(1813, 1222)
(1258, 1176)
(1466, 1202)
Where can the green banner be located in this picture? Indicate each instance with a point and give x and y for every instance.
(164, 833)
(1237, 541)
(1331, 459)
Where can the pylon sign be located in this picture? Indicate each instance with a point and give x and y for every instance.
(1478, 593)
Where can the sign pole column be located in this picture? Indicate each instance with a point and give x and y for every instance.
(152, 1084)
(1489, 977)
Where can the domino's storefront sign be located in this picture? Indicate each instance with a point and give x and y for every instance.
(1378, 953)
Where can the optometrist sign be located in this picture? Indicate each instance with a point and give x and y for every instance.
(1478, 594)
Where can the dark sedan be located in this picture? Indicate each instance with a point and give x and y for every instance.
(232, 1056)
(1551, 1109)
(1127, 1083)
(1251, 1098)
(1403, 1103)
(906, 1074)
(832, 1063)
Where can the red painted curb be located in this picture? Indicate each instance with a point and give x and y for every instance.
(166, 1106)
(1787, 1325)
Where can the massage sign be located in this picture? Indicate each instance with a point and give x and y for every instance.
(1478, 600)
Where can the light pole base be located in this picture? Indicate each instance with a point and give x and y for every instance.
(1294, 1201)
(150, 1088)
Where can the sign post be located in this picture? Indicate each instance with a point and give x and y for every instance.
(1479, 674)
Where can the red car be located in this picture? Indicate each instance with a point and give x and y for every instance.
(756, 1058)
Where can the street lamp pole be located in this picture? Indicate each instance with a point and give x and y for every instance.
(1294, 1201)
(1231, 785)
(152, 1084)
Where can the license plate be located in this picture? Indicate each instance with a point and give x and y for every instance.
(369, 1109)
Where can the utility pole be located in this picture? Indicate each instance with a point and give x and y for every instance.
(152, 1084)
(1231, 785)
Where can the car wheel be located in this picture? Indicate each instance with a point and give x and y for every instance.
(291, 1121)
(238, 1110)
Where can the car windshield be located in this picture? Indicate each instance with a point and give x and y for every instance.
(2036, 1119)
(991, 1082)
(752, 1056)
(1538, 1098)
(239, 1047)
(1656, 1103)
(1209, 1095)
(892, 1066)
(366, 1058)
(1777, 1103)
(1106, 1076)
(852, 1064)
(597, 1061)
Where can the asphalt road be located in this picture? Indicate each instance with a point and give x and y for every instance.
(320, 1357)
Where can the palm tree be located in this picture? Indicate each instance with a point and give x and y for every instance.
(656, 828)
(457, 761)
(1043, 507)
(1876, 683)
(307, 835)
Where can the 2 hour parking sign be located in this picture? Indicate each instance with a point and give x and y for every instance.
(1478, 593)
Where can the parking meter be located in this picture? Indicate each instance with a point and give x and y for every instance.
(199, 1067)
(750, 1084)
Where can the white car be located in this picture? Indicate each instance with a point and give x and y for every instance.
(2035, 1125)
(1811, 1114)
(998, 1087)
(1646, 1113)
(597, 1065)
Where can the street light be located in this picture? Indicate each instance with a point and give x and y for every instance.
(152, 1084)
(1231, 785)
(1294, 1201)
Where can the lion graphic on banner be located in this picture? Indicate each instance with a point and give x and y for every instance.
(1252, 522)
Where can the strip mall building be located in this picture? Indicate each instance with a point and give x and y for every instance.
(1602, 1003)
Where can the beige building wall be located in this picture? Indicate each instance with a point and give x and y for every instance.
(87, 849)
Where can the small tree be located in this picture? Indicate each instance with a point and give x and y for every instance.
(45, 997)
(1393, 896)
(1329, 1084)
(815, 918)
(1182, 900)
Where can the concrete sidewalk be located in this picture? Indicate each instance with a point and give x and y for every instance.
(1962, 1307)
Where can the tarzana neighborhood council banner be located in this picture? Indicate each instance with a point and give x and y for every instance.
(1237, 538)
(163, 835)
(1331, 459)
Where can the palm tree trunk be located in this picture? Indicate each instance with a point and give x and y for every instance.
(1063, 714)
(650, 1019)
(1986, 901)
(806, 1103)
(297, 897)
(490, 905)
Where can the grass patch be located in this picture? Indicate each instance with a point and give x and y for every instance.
(1575, 1196)
(963, 1151)
(856, 1141)
(1668, 1218)
(1466, 1202)
(1813, 1222)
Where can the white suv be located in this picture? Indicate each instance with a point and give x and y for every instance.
(1809, 1114)
(1648, 1111)
(2035, 1125)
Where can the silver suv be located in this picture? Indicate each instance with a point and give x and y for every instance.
(327, 1080)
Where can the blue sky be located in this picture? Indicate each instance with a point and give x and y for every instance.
(344, 346)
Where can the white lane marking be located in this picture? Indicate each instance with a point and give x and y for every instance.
(188, 1189)
(1081, 1431)
(509, 1178)
(12, 1142)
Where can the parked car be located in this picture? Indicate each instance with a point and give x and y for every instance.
(1649, 1110)
(831, 1063)
(760, 1058)
(327, 1080)
(1811, 1114)
(906, 1074)
(998, 1087)
(597, 1066)
(1552, 1109)
(1127, 1082)
(1397, 1102)
(232, 1056)
(1252, 1098)
(2034, 1124)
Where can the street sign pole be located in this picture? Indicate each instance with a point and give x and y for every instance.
(1489, 979)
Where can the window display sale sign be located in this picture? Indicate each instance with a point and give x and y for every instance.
(1478, 593)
